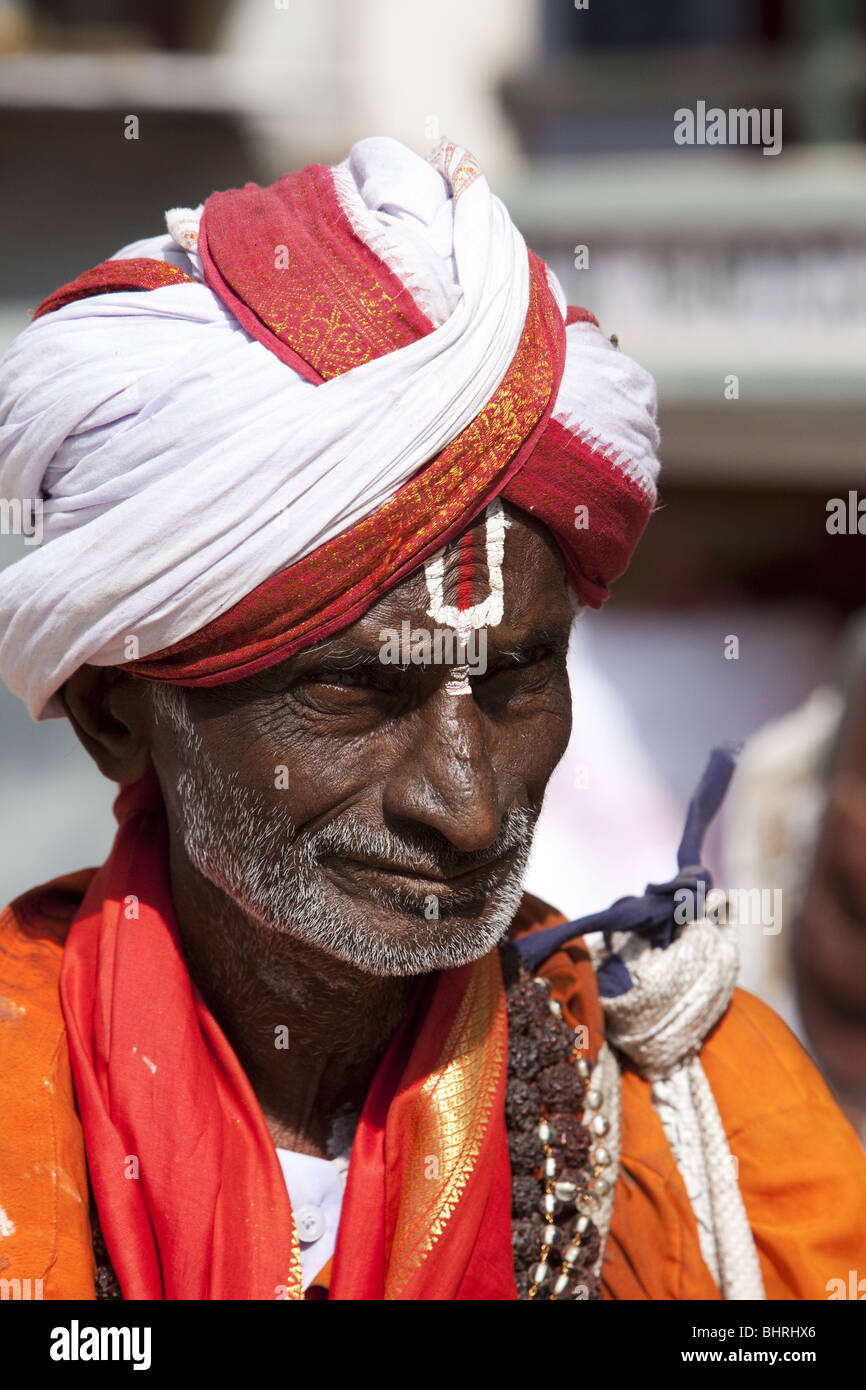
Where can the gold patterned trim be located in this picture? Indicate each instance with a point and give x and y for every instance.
(450, 1124)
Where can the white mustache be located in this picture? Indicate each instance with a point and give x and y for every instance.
(423, 853)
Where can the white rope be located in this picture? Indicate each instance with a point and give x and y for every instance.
(678, 995)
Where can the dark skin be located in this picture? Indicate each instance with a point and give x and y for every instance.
(398, 751)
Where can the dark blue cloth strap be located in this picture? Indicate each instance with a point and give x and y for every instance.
(652, 914)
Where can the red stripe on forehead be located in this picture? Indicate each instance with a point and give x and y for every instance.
(464, 573)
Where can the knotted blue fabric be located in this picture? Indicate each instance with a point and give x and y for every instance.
(652, 914)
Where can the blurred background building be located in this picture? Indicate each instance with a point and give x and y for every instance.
(738, 278)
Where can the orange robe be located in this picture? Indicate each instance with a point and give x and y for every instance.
(802, 1172)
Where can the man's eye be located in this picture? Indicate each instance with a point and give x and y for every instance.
(340, 678)
(533, 662)
(325, 683)
(532, 658)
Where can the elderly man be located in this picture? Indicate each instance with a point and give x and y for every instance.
(325, 472)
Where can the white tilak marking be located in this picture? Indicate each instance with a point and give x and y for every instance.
(489, 611)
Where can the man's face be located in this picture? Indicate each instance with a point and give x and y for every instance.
(362, 805)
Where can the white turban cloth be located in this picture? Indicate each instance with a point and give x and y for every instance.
(180, 463)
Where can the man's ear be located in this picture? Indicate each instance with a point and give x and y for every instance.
(106, 709)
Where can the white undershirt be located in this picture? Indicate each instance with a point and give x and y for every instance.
(316, 1187)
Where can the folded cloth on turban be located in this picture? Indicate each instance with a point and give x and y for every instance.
(244, 432)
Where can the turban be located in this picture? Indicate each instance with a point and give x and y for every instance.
(244, 432)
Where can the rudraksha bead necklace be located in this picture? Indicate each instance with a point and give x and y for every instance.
(555, 1140)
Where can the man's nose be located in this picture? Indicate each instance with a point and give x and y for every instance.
(446, 779)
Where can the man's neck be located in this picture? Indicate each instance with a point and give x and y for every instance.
(309, 1030)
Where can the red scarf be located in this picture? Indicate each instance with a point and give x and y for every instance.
(190, 1194)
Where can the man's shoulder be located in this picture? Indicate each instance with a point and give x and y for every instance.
(44, 914)
(753, 1054)
(33, 930)
(43, 1177)
(801, 1169)
(534, 914)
